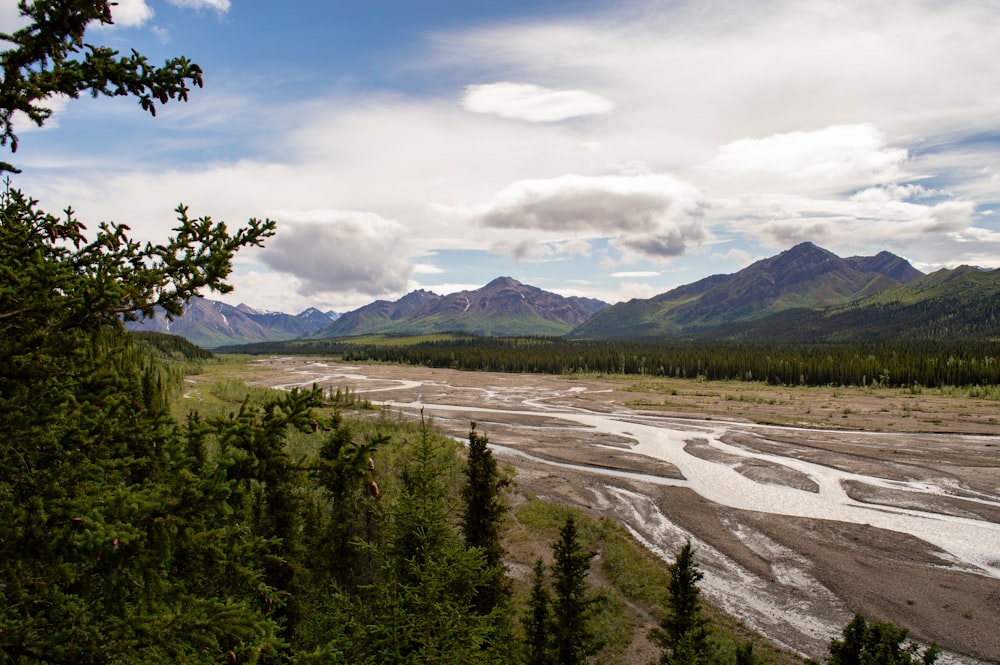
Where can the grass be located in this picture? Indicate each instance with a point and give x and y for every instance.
(629, 582)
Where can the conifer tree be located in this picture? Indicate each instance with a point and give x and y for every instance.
(482, 521)
(878, 643)
(682, 632)
(422, 611)
(117, 543)
(537, 621)
(573, 640)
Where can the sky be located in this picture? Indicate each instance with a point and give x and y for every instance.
(612, 150)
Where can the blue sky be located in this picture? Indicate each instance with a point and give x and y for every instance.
(604, 149)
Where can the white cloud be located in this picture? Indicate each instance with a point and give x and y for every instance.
(56, 103)
(10, 18)
(131, 13)
(636, 274)
(781, 221)
(837, 154)
(630, 290)
(740, 256)
(221, 6)
(533, 249)
(602, 204)
(524, 101)
(332, 250)
(767, 123)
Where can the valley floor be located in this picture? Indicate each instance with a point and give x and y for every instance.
(803, 504)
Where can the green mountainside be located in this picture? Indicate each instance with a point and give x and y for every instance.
(803, 277)
(958, 304)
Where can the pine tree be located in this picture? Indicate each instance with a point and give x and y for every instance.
(537, 622)
(878, 643)
(573, 640)
(106, 507)
(422, 609)
(682, 632)
(482, 521)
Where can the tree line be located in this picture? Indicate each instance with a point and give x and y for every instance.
(898, 364)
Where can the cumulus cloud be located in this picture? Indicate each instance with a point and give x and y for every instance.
(131, 13)
(840, 153)
(534, 103)
(650, 215)
(740, 256)
(339, 251)
(592, 203)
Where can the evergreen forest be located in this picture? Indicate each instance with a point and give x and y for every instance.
(908, 364)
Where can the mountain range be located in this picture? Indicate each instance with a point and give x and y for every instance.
(504, 307)
(804, 294)
(211, 324)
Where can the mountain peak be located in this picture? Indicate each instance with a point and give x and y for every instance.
(804, 277)
(503, 282)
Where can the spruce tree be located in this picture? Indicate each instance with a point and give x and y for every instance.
(117, 543)
(482, 521)
(573, 640)
(682, 632)
(878, 643)
(537, 622)
(422, 610)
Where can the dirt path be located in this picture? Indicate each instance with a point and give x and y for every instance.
(795, 528)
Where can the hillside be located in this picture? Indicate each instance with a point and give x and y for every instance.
(956, 304)
(378, 316)
(504, 307)
(803, 277)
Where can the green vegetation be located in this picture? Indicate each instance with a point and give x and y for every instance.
(878, 643)
(905, 364)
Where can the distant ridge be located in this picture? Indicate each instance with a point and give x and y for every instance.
(504, 307)
(209, 324)
(803, 277)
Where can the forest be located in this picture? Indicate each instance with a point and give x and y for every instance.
(909, 364)
(274, 527)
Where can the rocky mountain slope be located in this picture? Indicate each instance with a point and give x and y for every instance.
(209, 323)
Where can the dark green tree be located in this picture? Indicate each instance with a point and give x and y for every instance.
(537, 622)
(482, 521)
(682, 632)
(101, 497)
(878, 643)
(340, 552)
(422, 609)
(573, 640)
(117, 543)
(49, 56)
